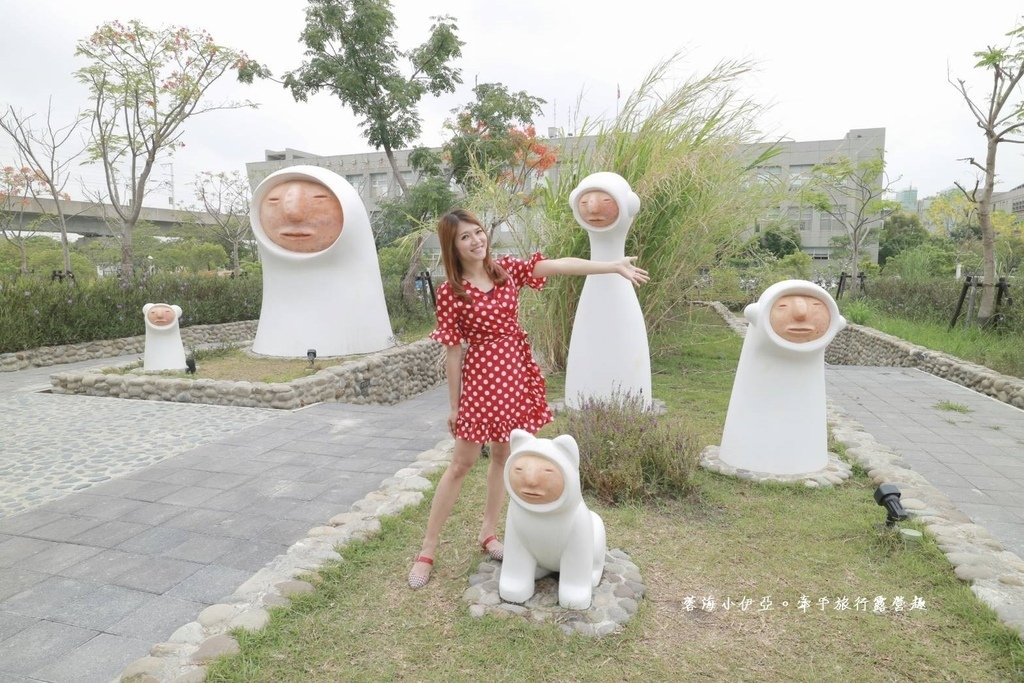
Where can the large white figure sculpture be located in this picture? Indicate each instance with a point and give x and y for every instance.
(321, 279)
(164, 350)
(608, 351)
(776, 423)
(549, 528)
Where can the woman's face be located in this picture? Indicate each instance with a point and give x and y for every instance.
(470, 243)
(301, 215)
(598, 209)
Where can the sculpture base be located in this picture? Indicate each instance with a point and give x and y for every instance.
(836, 472)
(615, 599)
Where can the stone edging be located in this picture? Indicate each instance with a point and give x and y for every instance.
(386, 377)
(996, 574)
(183, 658)
(193, 335)
(615, 601)
(834, 473)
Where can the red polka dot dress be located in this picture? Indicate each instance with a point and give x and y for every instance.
(502, 387)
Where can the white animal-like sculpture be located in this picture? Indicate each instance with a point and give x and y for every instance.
(609, 356)
(321, 280)
(776, 422)
(164, 350)
(549, 528)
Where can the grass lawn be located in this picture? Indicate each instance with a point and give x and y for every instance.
(733, 540)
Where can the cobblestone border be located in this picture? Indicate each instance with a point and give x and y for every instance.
(996, 574)
(616, 598)
(833, 474)
(186, 654)
(385, 377)
(193, 335)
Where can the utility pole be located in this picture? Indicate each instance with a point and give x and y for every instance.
(170, 164)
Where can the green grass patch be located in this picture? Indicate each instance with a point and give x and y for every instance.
(731, 539)
(952, 407)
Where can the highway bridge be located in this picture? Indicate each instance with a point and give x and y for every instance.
(89, 219)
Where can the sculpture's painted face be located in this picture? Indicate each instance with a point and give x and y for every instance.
(301, 215)
(800, 318)
(598, 208)
(535, 479)
(160, 315)
(470, 243)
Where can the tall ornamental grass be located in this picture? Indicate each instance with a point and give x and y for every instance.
(679, 147)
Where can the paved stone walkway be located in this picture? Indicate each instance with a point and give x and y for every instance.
(976, 458)
(136, 515)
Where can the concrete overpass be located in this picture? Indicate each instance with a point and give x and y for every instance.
(88, 218)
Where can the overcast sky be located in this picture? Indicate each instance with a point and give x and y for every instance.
(823, 68)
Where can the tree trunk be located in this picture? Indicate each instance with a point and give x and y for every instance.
(986, 309)
(24, 257)
(127, 268)
(409, 281)
(855, 266)
(394, 170)
(236, 267)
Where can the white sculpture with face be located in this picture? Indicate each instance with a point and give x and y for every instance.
(608, 352)
(164, 350)
(549, 527)
(776, 423)
(321, 279)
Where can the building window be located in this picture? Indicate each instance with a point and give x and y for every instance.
(800, 218)
(799, 174)
(356, 180)
(1018, 205)
(406, 178)
(378, 184)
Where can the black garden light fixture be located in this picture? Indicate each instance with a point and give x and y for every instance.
(311, 355)
(190, 365)
(888, 496)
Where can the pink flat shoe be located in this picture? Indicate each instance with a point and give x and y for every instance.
(418, 580)
(496, 553)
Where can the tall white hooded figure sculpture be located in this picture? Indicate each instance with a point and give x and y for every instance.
(164, 350)
(608, 350)
(321, 280)
(776, 423)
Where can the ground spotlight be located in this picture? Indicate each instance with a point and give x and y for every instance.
(190, 365)
(311, 355)
(888, 496)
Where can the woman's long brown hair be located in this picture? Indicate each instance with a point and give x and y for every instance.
(447, 232)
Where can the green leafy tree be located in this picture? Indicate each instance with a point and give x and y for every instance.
(779, 242)
(952, 214)
(351, 53)
(1000, 115)
(900, 231)
(425, 202)
(17, 191)
(144, 84)
(851, 192)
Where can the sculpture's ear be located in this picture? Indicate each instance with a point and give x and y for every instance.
(145, 309)
(574, 197)
(633, 204)
(750, 313)
(177, 310)
(519, 438)
(841, 324)
(568, 444)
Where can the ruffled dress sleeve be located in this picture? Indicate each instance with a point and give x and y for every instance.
(521, 272)
(449, 330)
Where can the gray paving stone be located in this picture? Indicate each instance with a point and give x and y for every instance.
(14, 580)
(27, 521)
(18, 548)
(100, 659)
(190, 496)
(11, 624)
(210, 584)
(110, 534)
(252, 555)
(154, 541)
(197, 520)
(152, 513)
(106, 508)
(154, 621)
(285, 531)
(105, 566)
(48, 597)
(39, 645)
(101, 608)
(204, 549)
(235, 500)
(993, 483)
(65, 529)
(156, 574)
(59, 557)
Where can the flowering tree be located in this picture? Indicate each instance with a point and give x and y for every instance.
(18, 187)
(144, 85)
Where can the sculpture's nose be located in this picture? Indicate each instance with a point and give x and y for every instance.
(800, 308)
(292, 203)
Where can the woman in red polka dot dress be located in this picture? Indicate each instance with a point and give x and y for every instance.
(495, 386)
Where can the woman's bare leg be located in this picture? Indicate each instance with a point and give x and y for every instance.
(495, 493)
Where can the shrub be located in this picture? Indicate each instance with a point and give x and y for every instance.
(629, 455)
(856, 311)
(933, 299)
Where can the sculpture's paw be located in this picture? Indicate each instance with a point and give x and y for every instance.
(574, 599)
(515, 592)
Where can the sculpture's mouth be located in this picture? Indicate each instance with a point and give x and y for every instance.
(531, 495)
(800, 330)
(296, 234)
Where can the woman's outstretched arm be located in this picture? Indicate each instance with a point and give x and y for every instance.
(577, 266)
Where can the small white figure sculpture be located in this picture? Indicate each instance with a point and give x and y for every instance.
(776, 422)
(164, 350)
(608, 352)
(549, 528)
(321, 280)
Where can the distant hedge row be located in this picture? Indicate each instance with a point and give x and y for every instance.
(36, 313)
